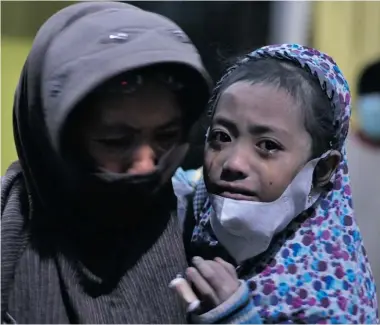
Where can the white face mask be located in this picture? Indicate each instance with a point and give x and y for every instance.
(246, 228)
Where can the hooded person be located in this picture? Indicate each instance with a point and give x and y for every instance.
(105, 101)
(270, 227)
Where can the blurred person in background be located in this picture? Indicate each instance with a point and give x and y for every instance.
(363, 149)
(102, 111)
(368, 106)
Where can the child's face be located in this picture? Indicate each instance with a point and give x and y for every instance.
(257, 143)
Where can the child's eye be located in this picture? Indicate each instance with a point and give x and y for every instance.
(268, 146)
(219, 136)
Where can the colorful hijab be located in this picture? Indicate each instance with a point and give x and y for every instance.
(317, 270)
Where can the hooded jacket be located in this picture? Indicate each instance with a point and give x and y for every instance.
(57, 267)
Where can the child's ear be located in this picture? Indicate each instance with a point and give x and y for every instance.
(326, 168)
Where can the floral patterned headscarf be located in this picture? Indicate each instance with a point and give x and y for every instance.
(317, 270)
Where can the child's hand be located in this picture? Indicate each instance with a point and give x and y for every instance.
(215, 281)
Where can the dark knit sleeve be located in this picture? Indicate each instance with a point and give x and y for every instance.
(238, 309)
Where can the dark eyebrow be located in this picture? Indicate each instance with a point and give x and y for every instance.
(254, 129)
(231, 126)
(118, 127)
(258, 129)
(173, 123)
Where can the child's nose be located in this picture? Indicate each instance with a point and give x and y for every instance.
(144, 161)
(235, 168)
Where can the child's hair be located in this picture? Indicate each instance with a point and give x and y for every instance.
(300, 84)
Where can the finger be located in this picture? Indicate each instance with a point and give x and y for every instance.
(213, 272)
(228, 266)
(217, 276)
(183, 289)
(204, 289)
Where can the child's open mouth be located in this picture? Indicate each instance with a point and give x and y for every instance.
(238, 196)
(237, 193)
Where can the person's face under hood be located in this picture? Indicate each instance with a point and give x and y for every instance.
(124, 140)
(128, 132)
(86, 152)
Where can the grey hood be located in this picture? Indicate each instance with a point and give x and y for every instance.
(75, 51)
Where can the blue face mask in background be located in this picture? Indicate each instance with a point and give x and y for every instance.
(368, 108)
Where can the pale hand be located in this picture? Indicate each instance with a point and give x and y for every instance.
(215, 280)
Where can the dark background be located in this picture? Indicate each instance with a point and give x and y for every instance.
(219, 29)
